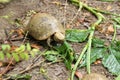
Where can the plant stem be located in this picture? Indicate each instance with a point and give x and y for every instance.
(100, 17)
(115, 32)
(79, 59)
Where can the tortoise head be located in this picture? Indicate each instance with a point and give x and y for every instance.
(59, 37)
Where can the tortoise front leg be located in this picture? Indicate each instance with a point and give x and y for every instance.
(49, 40)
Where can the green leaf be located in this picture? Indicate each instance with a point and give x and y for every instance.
(118, 78)
(96, 53)
(115, 49)
(1, 55)
(51, 52)
(75, 35)
(22, 55)
(66, 53)
(51, 55)
(15, 56)
(5, 47)
(111, 63)
(8, 55)
(51, 58)
(20, 49)
(33, 52)
(28, 47)
(98, 42)
(26, 56)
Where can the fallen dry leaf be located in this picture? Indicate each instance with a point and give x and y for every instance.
(1, 63)
(35, 46)
(109, 7)
(78, 74)
(56, 2)
(68, 26)
(97, 62)
(110, 29)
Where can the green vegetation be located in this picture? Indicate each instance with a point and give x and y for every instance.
(21, 53)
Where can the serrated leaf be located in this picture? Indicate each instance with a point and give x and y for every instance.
(20, 49)
(28, 47)
(75, 35)
(118, 78)
(15, 56)
(8, 55)
(111, 63)
(1, 55)
(5, 47)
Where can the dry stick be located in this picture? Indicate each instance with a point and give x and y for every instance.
(65, 13)
(33, 65)
(76, 14)
(7, 66)
(25, 37)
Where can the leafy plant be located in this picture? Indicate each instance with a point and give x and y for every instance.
(66, 53)
(21, 53)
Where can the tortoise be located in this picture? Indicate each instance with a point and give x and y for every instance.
(43, 26)
(94, 76)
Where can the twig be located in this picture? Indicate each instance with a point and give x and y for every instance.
(7, 66)
(25, 37)
(65, 12)
(80, 7)
(31, 67)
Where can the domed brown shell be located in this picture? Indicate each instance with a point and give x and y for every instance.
(94, 76)
(42, 26)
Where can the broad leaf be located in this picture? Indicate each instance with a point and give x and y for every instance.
(111, 63)
(97, 42)
(75, 35)
(96, 53)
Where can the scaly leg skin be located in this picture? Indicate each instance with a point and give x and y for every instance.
(49, 41)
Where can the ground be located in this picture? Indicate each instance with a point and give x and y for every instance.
(64, 12)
